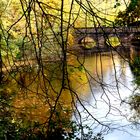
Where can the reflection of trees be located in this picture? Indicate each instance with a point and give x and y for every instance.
(31, 105)
(33, 96)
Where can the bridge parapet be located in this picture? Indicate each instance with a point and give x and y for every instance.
(107, 30)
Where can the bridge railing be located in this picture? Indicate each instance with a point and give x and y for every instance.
(107, 30)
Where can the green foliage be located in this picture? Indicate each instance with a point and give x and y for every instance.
(132, 5)
(130, 15)
(135, 102)
(8, 128)
(135, 67)
(11, 51)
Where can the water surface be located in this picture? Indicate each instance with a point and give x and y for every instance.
(98, 94)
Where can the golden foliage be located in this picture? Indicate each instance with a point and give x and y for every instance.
(70, 40)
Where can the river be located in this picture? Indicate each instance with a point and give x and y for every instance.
(108, 100)
(100, 96)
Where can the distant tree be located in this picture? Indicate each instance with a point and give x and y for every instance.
(130, 15)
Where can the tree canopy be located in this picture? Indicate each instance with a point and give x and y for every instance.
(130, 15)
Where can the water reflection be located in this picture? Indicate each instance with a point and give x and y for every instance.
(32, 95)
(38, 100)
(112, 85)
(97, 94)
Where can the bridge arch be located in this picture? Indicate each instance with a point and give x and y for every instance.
(85, 39)
(87, 42)
(113, 40)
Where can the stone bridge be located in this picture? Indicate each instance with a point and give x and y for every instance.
(101, 35)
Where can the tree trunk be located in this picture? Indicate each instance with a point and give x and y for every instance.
(0, 62)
